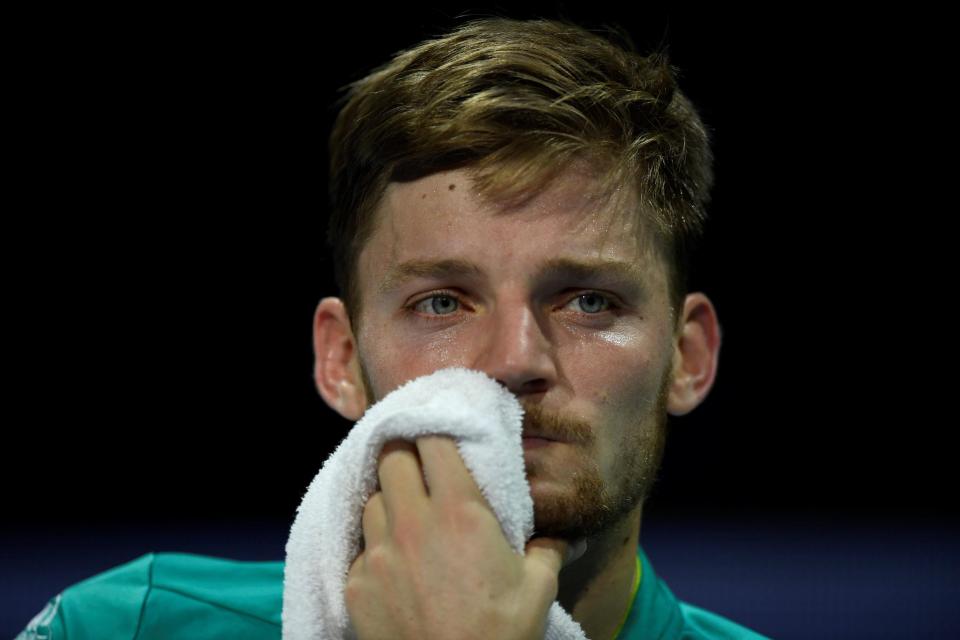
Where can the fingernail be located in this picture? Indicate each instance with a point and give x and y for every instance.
(575, 551)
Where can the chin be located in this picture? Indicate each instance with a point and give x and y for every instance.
(585, 509)
(557, 515)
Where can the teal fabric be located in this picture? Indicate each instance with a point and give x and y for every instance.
(179, 595)
(168, 595)
(656, 613)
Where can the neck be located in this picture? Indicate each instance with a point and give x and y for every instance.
(596, 588)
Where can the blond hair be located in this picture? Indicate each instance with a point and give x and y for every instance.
(516, 102)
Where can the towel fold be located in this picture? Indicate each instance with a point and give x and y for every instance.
(484, 419)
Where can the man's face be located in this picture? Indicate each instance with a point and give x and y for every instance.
(558, 299)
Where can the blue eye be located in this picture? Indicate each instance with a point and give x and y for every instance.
(592, 302)
(440, 305)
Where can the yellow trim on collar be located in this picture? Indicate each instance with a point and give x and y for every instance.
(633, 596)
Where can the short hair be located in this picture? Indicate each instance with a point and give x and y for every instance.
(515, 102)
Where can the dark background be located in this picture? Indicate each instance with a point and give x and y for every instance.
(167, 255)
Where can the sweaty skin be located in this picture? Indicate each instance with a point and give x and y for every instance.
(564, 300)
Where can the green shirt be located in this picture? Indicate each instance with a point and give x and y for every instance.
(180, 595)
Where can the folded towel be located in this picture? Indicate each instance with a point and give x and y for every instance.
(485, 420)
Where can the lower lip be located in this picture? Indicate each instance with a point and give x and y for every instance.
(535, 443)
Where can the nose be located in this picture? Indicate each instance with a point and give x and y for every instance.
(517, 352)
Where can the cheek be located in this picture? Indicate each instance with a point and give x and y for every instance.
(610, 355)
(620, 376)
(620, 371)
(393, 357)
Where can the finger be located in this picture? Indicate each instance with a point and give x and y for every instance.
(546, 554)
(446, 474)
(374, 521)
(401, 478)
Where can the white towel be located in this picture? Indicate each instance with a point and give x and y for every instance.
(486, 421)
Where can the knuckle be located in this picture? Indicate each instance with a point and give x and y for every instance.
(353, 591)
(468, 516)
(378, 560)
(408, 534)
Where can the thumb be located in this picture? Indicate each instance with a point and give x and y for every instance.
(547, 554)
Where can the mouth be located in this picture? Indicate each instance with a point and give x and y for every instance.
(535, 443)
(535, 440)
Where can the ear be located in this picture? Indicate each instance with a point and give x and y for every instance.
(696, 352)
(336, 360)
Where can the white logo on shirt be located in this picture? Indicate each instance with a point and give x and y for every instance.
(39, 627)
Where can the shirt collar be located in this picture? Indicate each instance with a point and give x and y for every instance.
(654, 612)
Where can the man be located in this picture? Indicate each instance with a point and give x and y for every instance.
(518, 198)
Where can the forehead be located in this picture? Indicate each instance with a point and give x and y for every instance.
(442, 216)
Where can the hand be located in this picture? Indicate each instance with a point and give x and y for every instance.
(437, 566)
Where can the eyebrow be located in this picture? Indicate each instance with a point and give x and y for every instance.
(604, 271)
(431, 269)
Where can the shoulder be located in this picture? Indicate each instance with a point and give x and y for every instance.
(168, 594)
(700, 624)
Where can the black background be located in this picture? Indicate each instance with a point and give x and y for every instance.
(164, 254)
(167, 255)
